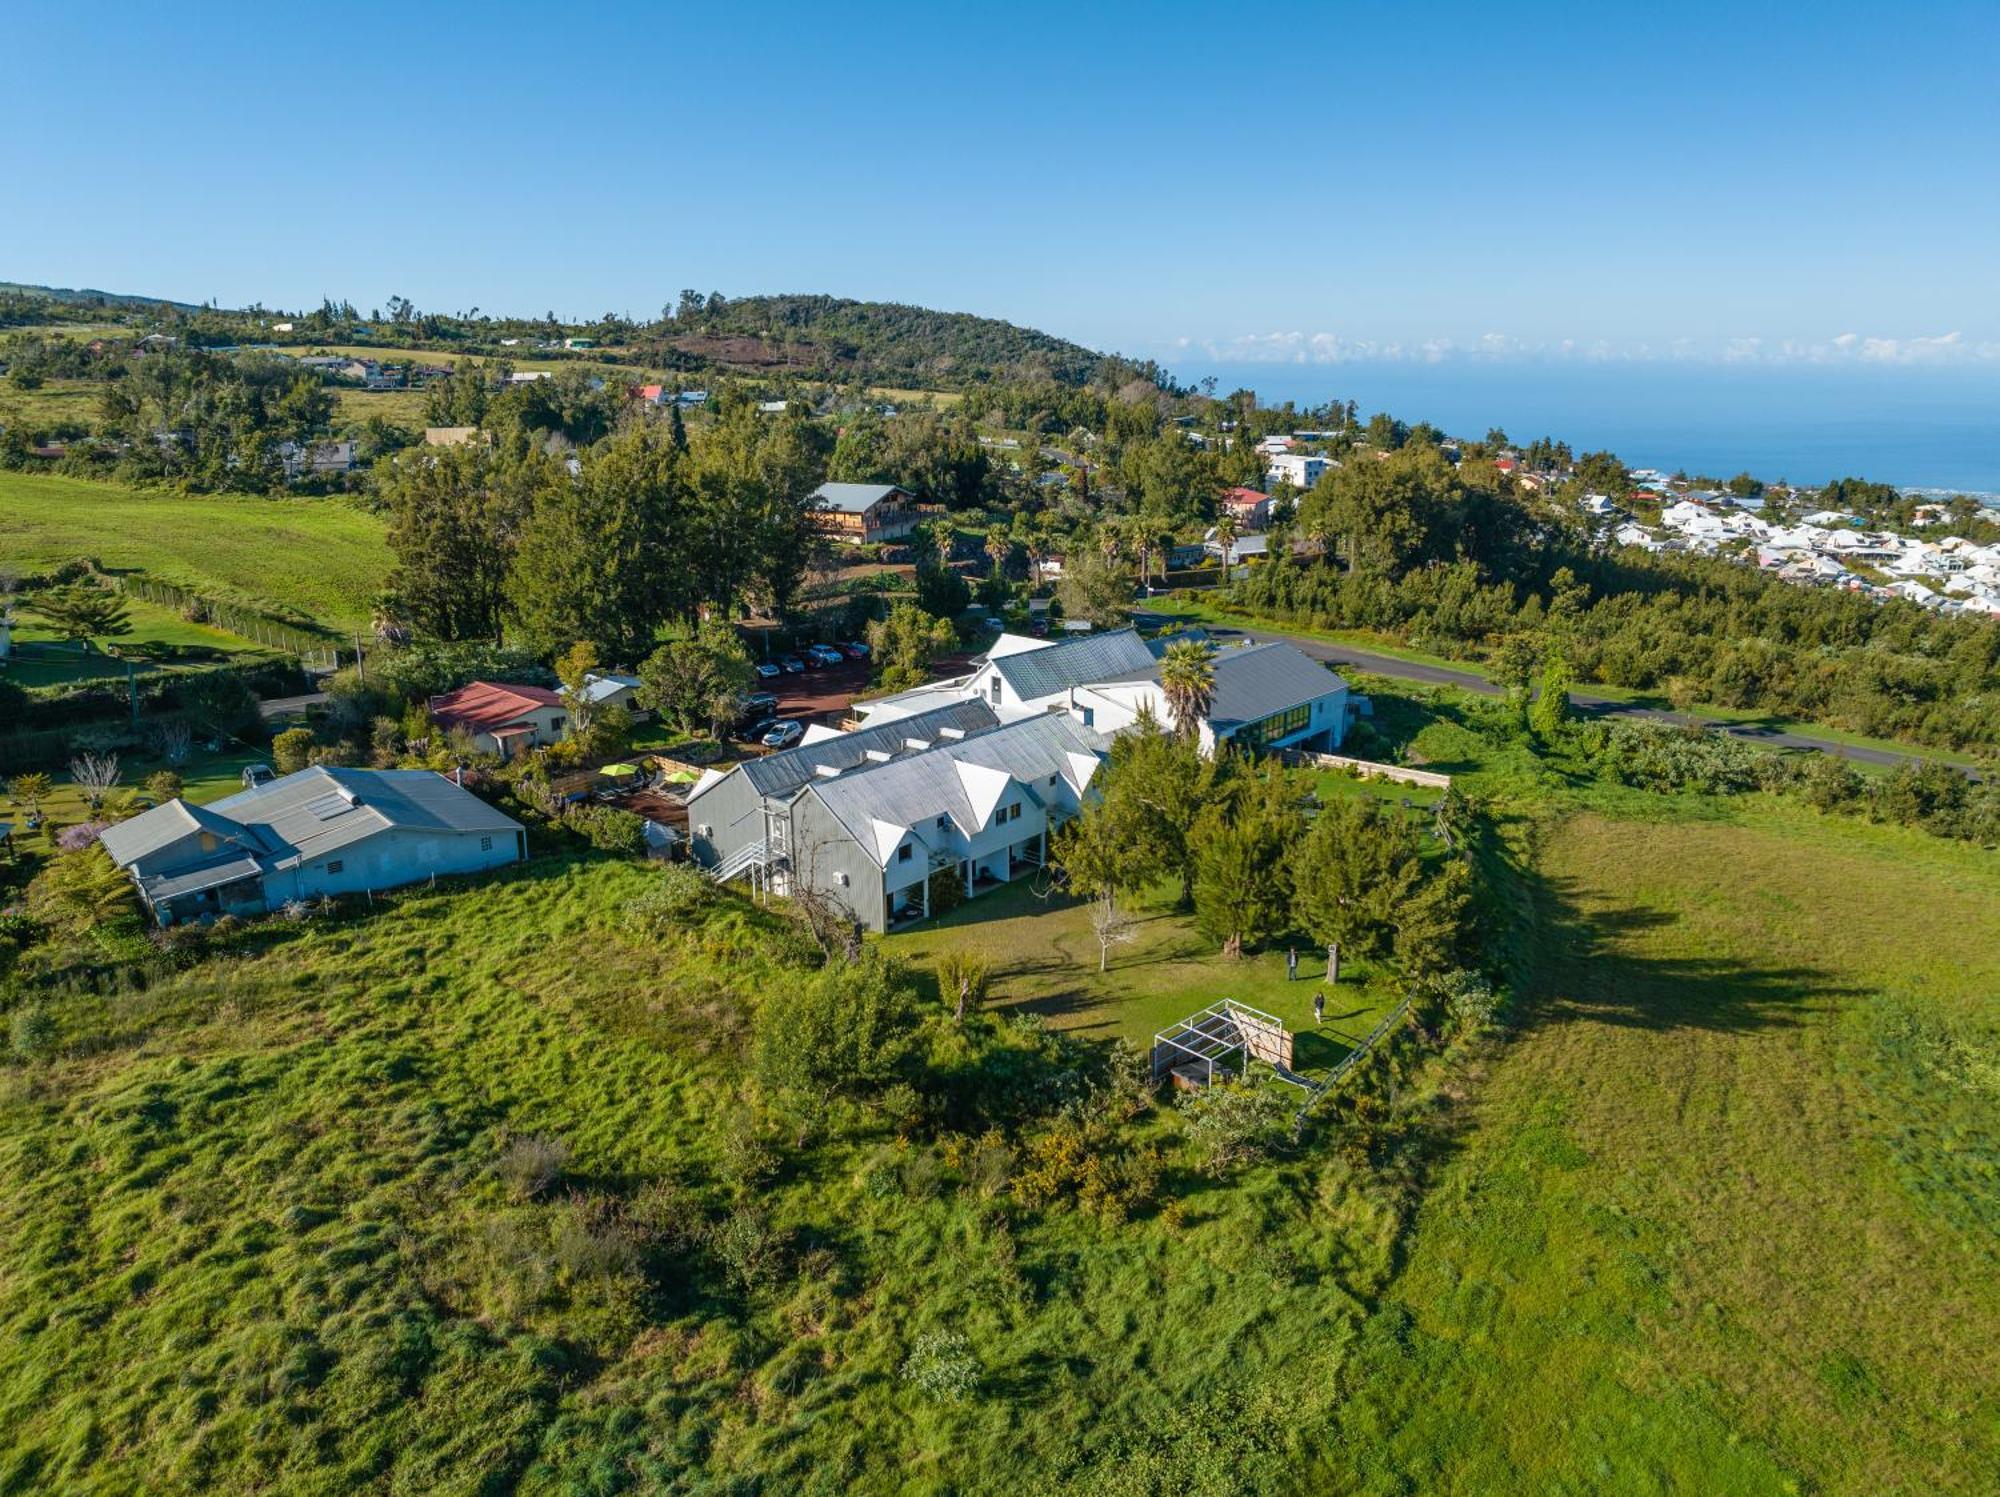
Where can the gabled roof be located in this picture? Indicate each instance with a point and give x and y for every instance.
(299, 817)
(148, 832)
(782, 773)
(1253, 682)
(963, 781)
(854, 498)
(483, 705)
(1072, 662)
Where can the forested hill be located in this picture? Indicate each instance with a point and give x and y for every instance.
(889, 343)
(813, 337)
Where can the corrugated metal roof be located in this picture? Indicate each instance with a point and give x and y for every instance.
(853, 498)
(209, 876)
(149, 831)
(1073, 662)
(1257, 681)
(1253, 682)
(781, 773)
(913, 792)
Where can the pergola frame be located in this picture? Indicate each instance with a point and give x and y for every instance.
(1209, 1039)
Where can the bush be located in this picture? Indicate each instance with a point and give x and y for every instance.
(164, 785)
(291, 750)
(531, 1166)
(607, 828)
(680, 899)
(35, 1031)
(1232, 1123)
(942, 1365)
(750, 1250)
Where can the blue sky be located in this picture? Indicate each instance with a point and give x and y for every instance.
(1358, 181)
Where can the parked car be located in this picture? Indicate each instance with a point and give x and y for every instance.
(257, 774)
(827, 654)
(784, 735)
(760, 701)
(854, 649)
(793, 665)
(770, 670)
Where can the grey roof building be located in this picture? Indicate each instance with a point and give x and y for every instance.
(318, 832)
(733, 817)
(865, 512)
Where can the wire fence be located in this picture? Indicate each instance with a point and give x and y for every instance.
(315, 647)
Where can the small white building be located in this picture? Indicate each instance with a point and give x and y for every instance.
(1299, 469)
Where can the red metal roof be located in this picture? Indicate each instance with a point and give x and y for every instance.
(1245, 497)
(484, 705)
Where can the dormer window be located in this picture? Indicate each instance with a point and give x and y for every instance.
(903, 853)
(993, 690)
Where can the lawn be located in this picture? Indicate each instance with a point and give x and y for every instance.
(42, 659)
(1722, 1214)
(321, 559)
(1044, 959)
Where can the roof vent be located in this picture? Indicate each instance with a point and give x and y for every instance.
(952, 733)
(917, 745)
(876, 756)
(826, 771)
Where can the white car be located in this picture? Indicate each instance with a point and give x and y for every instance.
(784, 735)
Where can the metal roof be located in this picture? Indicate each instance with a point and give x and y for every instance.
(1073, 662)
(303, 816)
(1253, 682)
(781, 773)
(909, 794)
(149, 831)
(854, 498)
(209, 876)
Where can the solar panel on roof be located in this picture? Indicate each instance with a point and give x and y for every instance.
(326, 807)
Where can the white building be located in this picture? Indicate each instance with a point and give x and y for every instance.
(1299, 469)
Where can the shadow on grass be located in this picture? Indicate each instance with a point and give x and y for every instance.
(1585, 968)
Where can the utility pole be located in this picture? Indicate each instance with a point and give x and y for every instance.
(1332, 963)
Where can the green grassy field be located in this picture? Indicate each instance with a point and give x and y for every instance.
(1722, 1215)
(1044, 959)
(322, 558)
(1717, 1212)
(42, 659)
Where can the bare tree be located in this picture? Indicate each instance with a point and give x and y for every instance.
(176, 740)
(95, 776)
(1112, 927)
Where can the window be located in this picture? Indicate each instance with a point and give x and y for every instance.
(335, 866)
(903, 853)
(1090, 717)
(944, 823)
(486, 844)
(993, 690)
(1052, 780)
(555, 725)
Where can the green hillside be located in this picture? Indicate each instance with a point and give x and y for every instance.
(321, 559)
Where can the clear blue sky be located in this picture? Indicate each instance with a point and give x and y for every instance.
(1272, 180)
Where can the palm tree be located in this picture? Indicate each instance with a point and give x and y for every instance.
(1225, 537)
(999, 546)
(1187, 677)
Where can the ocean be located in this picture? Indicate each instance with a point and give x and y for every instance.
(1916, 428)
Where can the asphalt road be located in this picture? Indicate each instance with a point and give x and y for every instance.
(1596, 706)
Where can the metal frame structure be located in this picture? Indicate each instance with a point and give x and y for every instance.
(1209, 1038)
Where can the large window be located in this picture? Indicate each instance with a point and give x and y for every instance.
(1278, 725)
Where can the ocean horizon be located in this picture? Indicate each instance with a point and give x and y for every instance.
(1915, 428)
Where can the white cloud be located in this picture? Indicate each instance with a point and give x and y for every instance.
(1299, 347)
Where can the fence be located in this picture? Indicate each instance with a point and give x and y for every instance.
(315, 646)
(1368, 769)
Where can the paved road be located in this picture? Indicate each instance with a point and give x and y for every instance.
(1597, 706)
(286, 706)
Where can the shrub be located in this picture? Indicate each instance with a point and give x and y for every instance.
(1469, 1001)
(942, 1366)
(594, 1240)
(164, 785)
(530, 1166)
(77, 838)
(291, 749)
(750, 1250)
(679, 899)
(607, 828)
(1231, 1123)
(35, 1031)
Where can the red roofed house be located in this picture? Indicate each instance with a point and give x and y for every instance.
(502, 720)
(651, 394)
(1506, 464)
(1251, 509)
